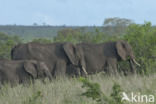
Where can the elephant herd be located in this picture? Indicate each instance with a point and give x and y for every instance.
(38, 61)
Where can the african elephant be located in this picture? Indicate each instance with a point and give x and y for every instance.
(95, 58)
(22, 71)
(73, 71)
(53, 54)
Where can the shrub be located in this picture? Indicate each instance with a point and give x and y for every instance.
(143, 40)
(94, 91)
(42, 40)
(6, 44)
(77, 36)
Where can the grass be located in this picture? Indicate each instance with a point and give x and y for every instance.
(69, 90)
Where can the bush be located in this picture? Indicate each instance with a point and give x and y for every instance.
(94, 91)
(42, 40)
(77, 36)
(143, 40)
(6, 44)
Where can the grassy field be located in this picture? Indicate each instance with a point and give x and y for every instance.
(69, 90)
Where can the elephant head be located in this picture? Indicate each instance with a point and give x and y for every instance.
(37, 69)
(124, 51)
(75, 56)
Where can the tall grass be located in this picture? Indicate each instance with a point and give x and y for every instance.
(69, 90)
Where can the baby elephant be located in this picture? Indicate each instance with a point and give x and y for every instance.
(22, 71)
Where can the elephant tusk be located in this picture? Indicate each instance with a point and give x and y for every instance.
(84, 70)
(136, 62)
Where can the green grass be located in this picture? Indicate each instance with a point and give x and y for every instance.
(69, 90)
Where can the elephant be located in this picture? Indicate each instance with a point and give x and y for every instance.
(53, 54)
(74, 71)
(94, 58)
(17, 72)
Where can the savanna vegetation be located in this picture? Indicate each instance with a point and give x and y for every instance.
(96, 89)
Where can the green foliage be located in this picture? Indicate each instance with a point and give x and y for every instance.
(36, 98)
(77, 36)
(6, 44)
(42, 40)
(116, 96)
(143, 40)
(116, 21)
(28, 33)
(67, 35)
(116, 26)
(94, 91)
(72, 35)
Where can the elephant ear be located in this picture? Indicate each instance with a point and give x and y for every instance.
(121, 50)
(70, 52)
(30, 68)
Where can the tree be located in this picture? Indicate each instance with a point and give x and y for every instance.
(42, 40)
(116, 21)
(35, 24)
(68, 34)
(143, 40)
(116, 25)
(6, 44)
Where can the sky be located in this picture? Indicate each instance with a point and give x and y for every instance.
(75, 12)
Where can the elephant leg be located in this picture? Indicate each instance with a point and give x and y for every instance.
(112, 67)
(60, 69)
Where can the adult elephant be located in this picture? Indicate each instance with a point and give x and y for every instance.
(22, 71)
(101, 57)
(53, 54)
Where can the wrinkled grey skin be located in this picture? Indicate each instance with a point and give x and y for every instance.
(22, 71)
(100, 57)
(54, 56)
(74, 71)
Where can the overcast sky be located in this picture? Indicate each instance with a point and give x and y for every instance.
(75, 12)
